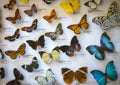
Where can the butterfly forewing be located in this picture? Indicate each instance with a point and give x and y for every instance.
(48, 1)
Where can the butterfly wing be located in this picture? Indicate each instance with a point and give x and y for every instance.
(99, 76)
(45, 56)
(21, 49)
(68, 75)
(13, 82)
(48, 1)
(53, 14)
(97, 51)
(28, 12)
(24, 1)
(32, 44)
(33, 8)
(91, 4)
(2, 72)
(81, 74)
(59, 30)
(11, 19)
(41, 80)
(27, 68)
(105, 42)
(17, 14)
(111, 71)
(52, 35)
(10, 4)
(41, 41)
(1, 54)
(34, 63)
(55, 55)
(18, 75)
(75, 4)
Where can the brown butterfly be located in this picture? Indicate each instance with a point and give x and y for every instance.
(16, 18)
(18, 76)
(14, 54)
(10, 4)
(35, 44)
(74, 46)
(58, 31)
(52, 16)
(31, 11)
(80, 75)
(81, 25)
(32, 27)
(15, 36)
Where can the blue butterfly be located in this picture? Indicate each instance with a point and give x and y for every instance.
(110, 73)
(98, 51)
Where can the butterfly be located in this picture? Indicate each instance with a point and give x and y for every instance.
(14, 54)
(52, 16)
(93, 3)
(99, 51)
(110, 73)
(31, 11)
(80, 75)
(81, 25)
(48, 1)
(35, 44)
(1, 54)
(48, 57)
(49, 79)
(33, 65)
(15, 36)
(24, 1)
(111, 20)
(0, 24)
(71, 6)
(74, 46)
(10, 4)
(16, 18)
(58, 31)
(32, 27)
(2, 72)
(18, 76)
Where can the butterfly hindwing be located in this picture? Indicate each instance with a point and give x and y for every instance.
(1, 54)
(2, 72)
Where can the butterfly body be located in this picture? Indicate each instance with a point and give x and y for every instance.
(32, 27)
(80, 75)
(70, 7)
(110, 73)
(31, 11)
(15, 54)
(48, 57)
(81, 25)
(35, 44)
(52, 16)
(99, 51)
(10, 4)
(74, 46)
(16, 18)
(58, 31)
(48, 1)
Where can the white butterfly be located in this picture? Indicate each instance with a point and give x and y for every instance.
(111, 20)
(93, 3)
(48, 80)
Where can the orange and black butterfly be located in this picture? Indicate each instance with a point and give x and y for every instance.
(18, 76)
(80, 75)
(52, 16)
(35, 44)
(15, 36)
(74, 46)
(16, 18)
(10, 5)
(31, 11)
(14, 54)
(32, 27)
(82, 25)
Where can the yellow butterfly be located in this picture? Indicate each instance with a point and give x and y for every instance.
(24, 1)
(14, 54)
(48, 57)
(71, 6)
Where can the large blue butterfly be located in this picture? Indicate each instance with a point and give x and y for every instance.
(110, 73)
(98, 51)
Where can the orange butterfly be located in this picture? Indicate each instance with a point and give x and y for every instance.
(10, 4)
(14, 19)
(80, 75)
(13, 37)
(32, 27)
(19, 52)
(82, 25)
(52, 16)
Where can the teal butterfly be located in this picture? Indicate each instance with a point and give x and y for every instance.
(110, 73)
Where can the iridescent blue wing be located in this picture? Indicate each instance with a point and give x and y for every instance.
(111, 71)
(105, 43)
(99, 76)
(97, 51)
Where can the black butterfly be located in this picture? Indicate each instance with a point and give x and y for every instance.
(2, 72)
(48, 1)
(35, 44)
(33, 65)
(1, 54)
(18, 76)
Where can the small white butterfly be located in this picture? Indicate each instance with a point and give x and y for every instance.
(49, 79)
(111, 20)
(93, 3)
